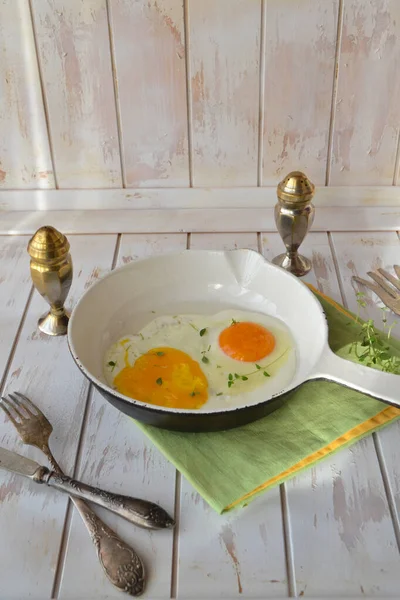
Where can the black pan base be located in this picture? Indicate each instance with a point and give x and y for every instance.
(195, 423)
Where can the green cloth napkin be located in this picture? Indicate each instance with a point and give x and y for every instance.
(230, 468)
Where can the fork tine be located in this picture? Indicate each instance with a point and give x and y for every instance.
(386, 298)
(5, 404)
(367, 284)
(23, 401)
(382, 283)
(393, 280)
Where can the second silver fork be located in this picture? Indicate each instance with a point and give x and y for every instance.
(121, 563)
(389, 294)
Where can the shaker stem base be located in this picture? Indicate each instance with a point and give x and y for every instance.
(51, 324)
(294, 263)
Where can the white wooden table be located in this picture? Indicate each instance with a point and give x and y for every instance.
(332, 531)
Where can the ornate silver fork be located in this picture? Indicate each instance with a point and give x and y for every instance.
(387, 293)
(120, 562)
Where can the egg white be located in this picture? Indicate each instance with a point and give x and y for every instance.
(183, 333)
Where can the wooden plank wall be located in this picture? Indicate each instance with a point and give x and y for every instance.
(179, 93)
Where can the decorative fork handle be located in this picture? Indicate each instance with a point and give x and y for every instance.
(140, 512)
(120, 562)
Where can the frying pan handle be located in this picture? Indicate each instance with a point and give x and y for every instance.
(382, 386)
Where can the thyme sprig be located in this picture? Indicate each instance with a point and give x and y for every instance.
(234, 377)
(371, 349)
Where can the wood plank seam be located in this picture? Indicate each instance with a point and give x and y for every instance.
(116, 96)
(44, 97)
(288, 542)
(376, 441)
(337, 270)
(260, 162)
(287, 535)
(68, 513)
(189, 105)
(334, 91)
(15, 341)
(176, 535)
(177, 513)
(77, 464)
(397, 161)
(388, 488)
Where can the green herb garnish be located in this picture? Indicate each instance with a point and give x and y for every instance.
(160, 353)
(219, 394)
(159, 381)
(112, 364)
(371, 349)
(203, 331)
(194, 326)
(141, 335)
(233, 322)
(205, 360)
(232, 378)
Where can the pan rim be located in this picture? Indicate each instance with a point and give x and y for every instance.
(190, 412)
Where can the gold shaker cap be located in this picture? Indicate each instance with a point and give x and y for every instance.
(47, 244)
(296, 188)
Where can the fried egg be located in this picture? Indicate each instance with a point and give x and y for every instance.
(204, 362)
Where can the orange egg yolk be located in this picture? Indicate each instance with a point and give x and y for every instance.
(246, 341)
(166, 377)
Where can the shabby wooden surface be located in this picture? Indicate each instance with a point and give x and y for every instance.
(176, 93)
(199, 220)
(332, 531)
(224, 77)
(74, 57)
(299, 77)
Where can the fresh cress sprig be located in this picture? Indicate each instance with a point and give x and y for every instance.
(370, 348)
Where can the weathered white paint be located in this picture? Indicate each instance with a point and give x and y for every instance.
(343, 538)
(224, 64)
(316, 248)
(117, 456)
(214, 551)
(196, 220)
(166, 198)
(338, 508)
(149, 48)
(74, 55)
(25, 160)
(367, 108)
(115, 85)
(32, 517)
(338, 511)
(300, 67)
(15, 284)
(358, 254)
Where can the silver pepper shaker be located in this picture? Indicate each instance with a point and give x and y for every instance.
(294, 215)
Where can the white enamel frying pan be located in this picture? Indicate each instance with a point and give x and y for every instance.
(208, 282)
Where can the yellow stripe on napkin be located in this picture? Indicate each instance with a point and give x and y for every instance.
(382, 418)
